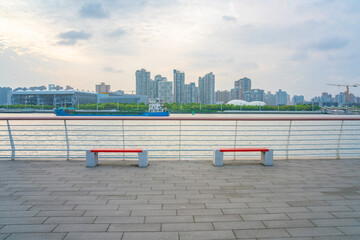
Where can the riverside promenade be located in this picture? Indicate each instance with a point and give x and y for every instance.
(294, 199)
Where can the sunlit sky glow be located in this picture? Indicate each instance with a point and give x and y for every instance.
(296, 45)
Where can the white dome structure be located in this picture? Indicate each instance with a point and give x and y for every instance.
(245, 103)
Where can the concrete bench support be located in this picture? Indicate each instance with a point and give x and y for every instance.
(92, 156)
(267, 155)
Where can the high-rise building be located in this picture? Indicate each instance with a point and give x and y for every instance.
(254, 95)
(281, 98)
(165, 91)
(190, 93)
(222, 96)
(298, 99)
(158, 78)
(102, 88)
(207, 89)
(179, 82)
(142, 82)
(270, 99)
(240, 87)
(5, 95)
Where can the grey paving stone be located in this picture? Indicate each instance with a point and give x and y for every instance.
(36, 236)
(81, 228)
(330, 208)
(4, 235)
(184, 206)
(101, 213)
(28, 228)
(70, 220)
(52, 207)
(335, 222)
(134, 227)
(347, 214)
(287, 210)
(311, 215)
(243, 210)
(60, 213)
(337, 238)
(17, 213)
(270, 216)
(350, 230)
(119, 220)
(238, 225)
(226, 234)
(94, 236)
(313, 232)
(180, 227)
(193, 212)
(151, 236)
(22, 220)
(169, 219)
(288, 224)
(217, 218)
(261, 233)
(152, 212)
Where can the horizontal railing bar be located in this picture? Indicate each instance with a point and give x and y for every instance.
(242, 118)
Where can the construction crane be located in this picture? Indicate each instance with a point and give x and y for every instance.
(347, 89)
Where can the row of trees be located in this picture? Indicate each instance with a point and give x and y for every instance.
(175, 107)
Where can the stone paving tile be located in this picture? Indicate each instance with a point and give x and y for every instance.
(350, 230)
(336, 222)
(94, 236)
(217, 218)
(193, 212)
(313, 232)
(134, 227)
(105, 213)
(59, 220)
(22, 220)
(151, 236)
(52, 207)
(152, 212)
(238, 225)
(184, 206)
(60, 213)
(81, 228)
(180, 227)
(269, 216)
(347, 214)
(28, 228)
(119, 220)
(330, 209)
(311, 215)
(243, 210)
(288, 224)
(36, 236)
(207, 235)
(287, 210)
(261, 233)
(169, 219)
(17, 213)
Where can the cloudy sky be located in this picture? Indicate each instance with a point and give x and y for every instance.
(296, 45)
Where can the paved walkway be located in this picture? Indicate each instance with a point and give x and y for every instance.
(300, 199)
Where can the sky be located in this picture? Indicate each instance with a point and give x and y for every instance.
(298, 46)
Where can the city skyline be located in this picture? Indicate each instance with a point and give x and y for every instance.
(298, 46)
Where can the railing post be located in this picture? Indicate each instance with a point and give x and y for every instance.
(11, 141)
(123, 137)
(236, 124)
(67, 142)
(339, 140)
(288, 141)
(180, 140)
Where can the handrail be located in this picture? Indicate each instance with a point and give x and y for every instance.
(190, 137)
(196, 118)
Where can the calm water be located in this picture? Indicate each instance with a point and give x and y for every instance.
(186, 140)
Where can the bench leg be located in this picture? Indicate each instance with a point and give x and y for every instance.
(91, 159)
(143, 158)
(218, 158)
(267, 158)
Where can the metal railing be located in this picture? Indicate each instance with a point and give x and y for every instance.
(184, 138)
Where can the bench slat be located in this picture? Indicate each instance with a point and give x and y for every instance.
(244, 150)
(137, 150)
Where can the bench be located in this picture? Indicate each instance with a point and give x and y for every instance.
(266, 155)
(92, 155)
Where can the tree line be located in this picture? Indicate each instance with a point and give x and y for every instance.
(174, 107)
